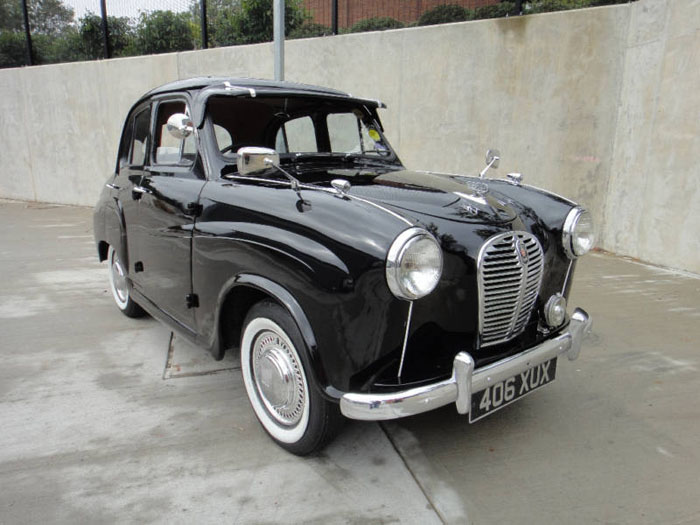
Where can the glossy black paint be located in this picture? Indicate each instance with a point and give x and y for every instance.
(232, 240)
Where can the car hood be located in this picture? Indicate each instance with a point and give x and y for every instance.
(451, 197)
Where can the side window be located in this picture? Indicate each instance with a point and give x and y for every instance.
(139, 141)
(170, 149)
(297, 135)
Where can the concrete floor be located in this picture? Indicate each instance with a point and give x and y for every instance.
(109, 419)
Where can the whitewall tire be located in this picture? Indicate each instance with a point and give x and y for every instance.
(280, 386)
(120, 287)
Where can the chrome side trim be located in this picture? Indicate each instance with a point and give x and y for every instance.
(465, 380)
(316, 188)
(405, 338)
(400, 217)
(566, 279)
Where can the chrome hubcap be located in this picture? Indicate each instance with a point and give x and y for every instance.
(119, 279)
(278, 378)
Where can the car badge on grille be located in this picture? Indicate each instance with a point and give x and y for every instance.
(522, 251)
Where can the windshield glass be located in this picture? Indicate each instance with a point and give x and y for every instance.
(296, 125)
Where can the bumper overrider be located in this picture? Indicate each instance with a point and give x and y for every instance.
(465, 380)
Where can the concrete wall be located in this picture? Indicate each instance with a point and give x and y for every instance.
(600, 105)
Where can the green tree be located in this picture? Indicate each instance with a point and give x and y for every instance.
(48, 17)
(121, 35)
(13, 49)
(162, 32)
(52, 28)
(50, 49)
(232, 22)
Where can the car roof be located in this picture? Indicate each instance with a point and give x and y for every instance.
(205, 87)
(282, 87)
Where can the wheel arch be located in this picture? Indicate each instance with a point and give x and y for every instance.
(110, 230)
(239, 296)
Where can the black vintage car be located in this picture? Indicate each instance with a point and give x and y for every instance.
(275, 220)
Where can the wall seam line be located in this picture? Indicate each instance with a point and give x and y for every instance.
(616, 123)
(23, 82)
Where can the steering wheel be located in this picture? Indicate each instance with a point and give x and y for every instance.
(227, 148)
(238, 146)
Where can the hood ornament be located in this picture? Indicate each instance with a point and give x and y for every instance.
(478, 187)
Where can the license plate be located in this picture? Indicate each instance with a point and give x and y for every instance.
(504, 393)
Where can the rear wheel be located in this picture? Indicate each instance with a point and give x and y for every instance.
(281, 388)
(120, 286)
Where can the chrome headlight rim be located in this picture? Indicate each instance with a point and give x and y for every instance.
(569, 229)
(395, 255)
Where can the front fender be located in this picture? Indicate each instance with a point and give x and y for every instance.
(237, 292)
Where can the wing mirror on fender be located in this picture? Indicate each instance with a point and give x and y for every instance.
(253, 158)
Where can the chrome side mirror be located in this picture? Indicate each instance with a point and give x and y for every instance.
(253, 158)
(180, 126)
(493, 156)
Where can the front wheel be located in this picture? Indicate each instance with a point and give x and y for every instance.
(120, 286)
(282, 390)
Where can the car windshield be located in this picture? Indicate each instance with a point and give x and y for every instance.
(297, 127)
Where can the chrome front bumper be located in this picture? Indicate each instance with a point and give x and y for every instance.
(465, 380)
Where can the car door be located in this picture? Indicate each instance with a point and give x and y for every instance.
(133, 158)
(168, 193)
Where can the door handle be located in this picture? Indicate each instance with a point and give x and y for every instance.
(112, 186)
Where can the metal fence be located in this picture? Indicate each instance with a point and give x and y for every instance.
(50, 31)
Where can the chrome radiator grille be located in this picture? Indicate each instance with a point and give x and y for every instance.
(509, 274)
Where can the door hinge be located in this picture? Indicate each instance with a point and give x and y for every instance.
(192, 300)
(194, 209)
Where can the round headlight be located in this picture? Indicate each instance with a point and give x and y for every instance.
(578, 234)
(555, 310)
(414, 264)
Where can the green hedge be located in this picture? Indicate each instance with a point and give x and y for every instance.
(379, 23)
(444, 14)
(309, 30)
